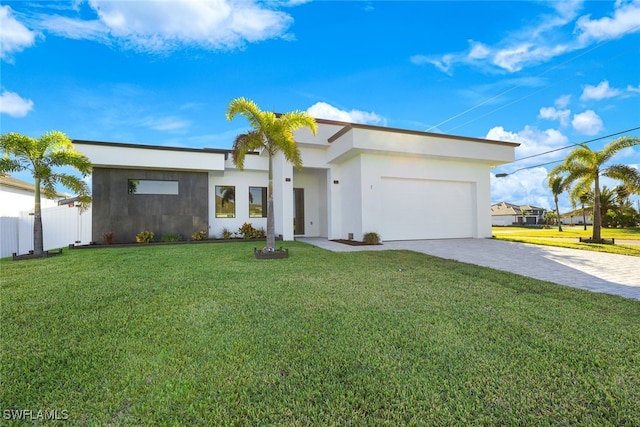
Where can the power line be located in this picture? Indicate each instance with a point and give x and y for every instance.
(576, 144)
(503, 174)
(468, 110)
(607, 60)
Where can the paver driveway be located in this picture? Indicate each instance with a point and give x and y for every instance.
(593, 271)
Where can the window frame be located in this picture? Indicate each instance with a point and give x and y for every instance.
(158, 192)
(264, 196)
(218, 209)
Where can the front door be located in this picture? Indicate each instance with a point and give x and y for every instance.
(298, 211)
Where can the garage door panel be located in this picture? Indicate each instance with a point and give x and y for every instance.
(427, 209)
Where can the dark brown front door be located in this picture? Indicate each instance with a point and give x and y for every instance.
(298, 211)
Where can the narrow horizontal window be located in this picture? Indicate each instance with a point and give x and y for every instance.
(257, 202)
(150, 186)
(225, 201)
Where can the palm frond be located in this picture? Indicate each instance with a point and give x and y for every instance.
(612, 148)
(629, 176)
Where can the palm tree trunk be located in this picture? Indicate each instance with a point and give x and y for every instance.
(271, 238)
(37, 222)
(558, 214)
(597, 221)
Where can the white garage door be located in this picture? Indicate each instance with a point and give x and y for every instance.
(427, 209)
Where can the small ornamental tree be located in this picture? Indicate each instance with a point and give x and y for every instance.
(272, 133)
(42, 157)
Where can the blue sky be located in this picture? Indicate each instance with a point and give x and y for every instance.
(546, 74)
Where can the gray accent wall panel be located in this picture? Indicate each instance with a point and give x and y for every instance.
(126, 215)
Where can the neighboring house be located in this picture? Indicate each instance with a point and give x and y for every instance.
(509, 214)
(17, 196)
(356, 178)
(577, 217)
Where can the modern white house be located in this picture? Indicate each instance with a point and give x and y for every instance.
(504, 213)
(356, 178)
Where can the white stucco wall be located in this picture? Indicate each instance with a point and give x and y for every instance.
(153, 157)
(241, 180)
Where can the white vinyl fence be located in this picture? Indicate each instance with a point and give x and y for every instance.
(61, 226)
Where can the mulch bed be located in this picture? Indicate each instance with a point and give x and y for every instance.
(31, 255)
(601, 241)
(355, 242)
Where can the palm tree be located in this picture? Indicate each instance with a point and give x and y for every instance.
(272, 133)
(558, 185)
(41, 157)
(585, 167)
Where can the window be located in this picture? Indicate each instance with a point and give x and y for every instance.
(257, 202)
(225, 201)
(150, 186)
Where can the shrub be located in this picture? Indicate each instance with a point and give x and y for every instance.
(145, 237)
(246, 230)
(199, 235)
(258, 233)
(226, 234)
(171, 237)
(371, 238)
(108, 237)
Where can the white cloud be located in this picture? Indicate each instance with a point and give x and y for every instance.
(322, 110)
(563, 101)
(550, 113)
(14, 105)
(173, 24)
(532, 141)
(633, 89)
(165, 123)
(14, 36)
(587, 123)
(625, 19)
(527, 186)
(602, 91)
(544, 40)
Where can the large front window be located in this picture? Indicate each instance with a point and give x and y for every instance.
(257, 202)
(225, 201)
(153, 186)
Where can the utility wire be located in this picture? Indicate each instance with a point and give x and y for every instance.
(607, 60)
(576, 144)
(503, 174)
(468, 110)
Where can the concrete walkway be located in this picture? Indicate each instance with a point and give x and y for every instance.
(593, 271)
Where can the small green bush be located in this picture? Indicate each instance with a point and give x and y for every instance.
(226, 233)
(199, 235)
(246, 230)
(371, 238)
(145, 236)
(171, 237)
(258, 233)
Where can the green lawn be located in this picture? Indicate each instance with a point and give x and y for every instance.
(569, 238)
(206, 335)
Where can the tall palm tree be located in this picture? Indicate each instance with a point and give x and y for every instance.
(584, 167)
(42, 157)
(272, 133)
(558, 185)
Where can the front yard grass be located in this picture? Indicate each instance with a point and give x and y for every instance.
(207, 335)
(569, 238)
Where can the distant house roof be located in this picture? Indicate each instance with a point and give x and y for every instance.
(8, 181)
(504, 208)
